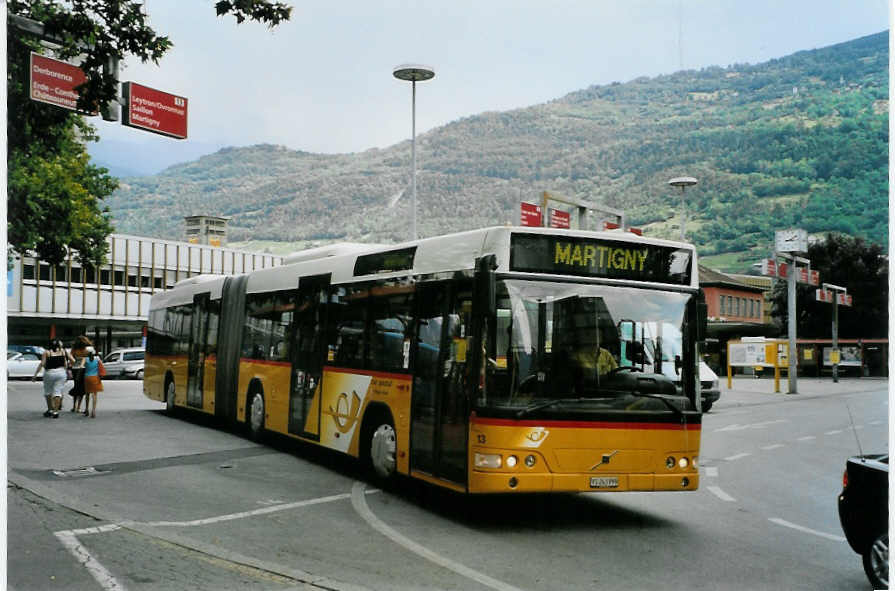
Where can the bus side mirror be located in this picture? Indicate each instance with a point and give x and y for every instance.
(485, 283)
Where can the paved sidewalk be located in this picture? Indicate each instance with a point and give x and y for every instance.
(747, 389)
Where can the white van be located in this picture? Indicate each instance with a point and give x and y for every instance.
(709, 384)
(125, 363)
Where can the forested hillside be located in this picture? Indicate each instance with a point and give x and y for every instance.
(798, 141)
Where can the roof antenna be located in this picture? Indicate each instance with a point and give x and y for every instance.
(855, 431)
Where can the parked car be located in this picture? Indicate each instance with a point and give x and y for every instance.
(864, 513)
(125, 363)
(25, 349)
(22, 365)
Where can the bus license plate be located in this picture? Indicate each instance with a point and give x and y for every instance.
(604, 482)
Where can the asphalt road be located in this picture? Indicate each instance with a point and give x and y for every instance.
(137, 500)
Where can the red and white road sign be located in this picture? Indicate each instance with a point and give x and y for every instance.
(822, 295)
(530, 215)
(54, 81)
(769, 267)
(154, 110)
(560, 219)
(843, 299)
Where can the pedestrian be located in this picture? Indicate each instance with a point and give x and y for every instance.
(93, 383)
(54, 361)
(79, 352)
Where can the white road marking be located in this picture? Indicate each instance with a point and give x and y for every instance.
(772, 446)
(737, 456)
(360, 505)
(813, 532)
(242, 514)
(762, 425)
(720, 494)
(711, 471)
(807, 438)
(69, 539)
(833, 432)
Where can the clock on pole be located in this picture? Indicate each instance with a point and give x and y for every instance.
(792, 240)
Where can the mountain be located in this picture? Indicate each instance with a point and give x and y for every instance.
(800, 141)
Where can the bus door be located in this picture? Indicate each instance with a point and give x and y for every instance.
(439, 412)
(199, 322)
(308, 355)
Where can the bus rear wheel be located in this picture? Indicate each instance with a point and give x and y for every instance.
(382, 446)
(256, 416)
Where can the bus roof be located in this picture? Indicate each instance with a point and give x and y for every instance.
(451, 252)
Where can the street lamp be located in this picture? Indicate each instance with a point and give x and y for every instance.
(683, 182)
(413, 73)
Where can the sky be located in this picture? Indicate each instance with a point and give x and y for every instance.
(322, 82)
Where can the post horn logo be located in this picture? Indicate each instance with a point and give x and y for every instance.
(345, 417)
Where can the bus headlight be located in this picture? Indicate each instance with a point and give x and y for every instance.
(530, 460)
(512, 461)
(683, 462)
(669, 462)
(487, 460)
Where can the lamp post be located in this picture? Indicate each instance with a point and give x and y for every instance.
(683, 182)
(413, 73)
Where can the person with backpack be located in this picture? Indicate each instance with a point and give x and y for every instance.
(79, 351)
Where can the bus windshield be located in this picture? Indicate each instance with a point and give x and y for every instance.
(570, 343)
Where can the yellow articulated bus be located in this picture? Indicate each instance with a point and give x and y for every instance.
(490, 361)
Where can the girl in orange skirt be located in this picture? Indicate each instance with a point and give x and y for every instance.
(93, 383)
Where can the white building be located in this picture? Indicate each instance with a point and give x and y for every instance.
(110, 304)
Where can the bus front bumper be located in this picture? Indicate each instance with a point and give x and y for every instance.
(520, 482)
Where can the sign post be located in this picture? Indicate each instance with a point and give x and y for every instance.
(54, 82)
(836, 295)
(787, 243)
(153, 110)
(530, 215)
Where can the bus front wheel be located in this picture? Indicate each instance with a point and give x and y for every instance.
(256, 416)
(382, 445)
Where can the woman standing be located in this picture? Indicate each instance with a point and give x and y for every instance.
(79, 351)
(93, 383)
(54, 361)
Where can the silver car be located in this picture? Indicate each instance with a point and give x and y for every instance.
(125, 363)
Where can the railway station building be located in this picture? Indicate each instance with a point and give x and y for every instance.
(110, 304)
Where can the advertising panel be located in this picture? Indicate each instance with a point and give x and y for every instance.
(153, 110)
(848, 356)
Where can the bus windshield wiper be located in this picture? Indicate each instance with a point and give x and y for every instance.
(667, 402)
(544, 404)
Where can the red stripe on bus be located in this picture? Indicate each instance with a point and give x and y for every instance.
(264, 362)
(585, 424)
(367, 372)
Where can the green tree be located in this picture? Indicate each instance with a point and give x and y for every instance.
(54, 193)
(851, 263)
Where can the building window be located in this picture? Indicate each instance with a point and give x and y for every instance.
(104, 277)
(44, 272)
(28, 271)
(76, 275)
(723, 307)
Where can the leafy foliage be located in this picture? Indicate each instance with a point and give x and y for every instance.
(54, 193)
(847, 262)
(799, 141)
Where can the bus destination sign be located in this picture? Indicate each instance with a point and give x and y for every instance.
(569, 255)
(154, 110)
